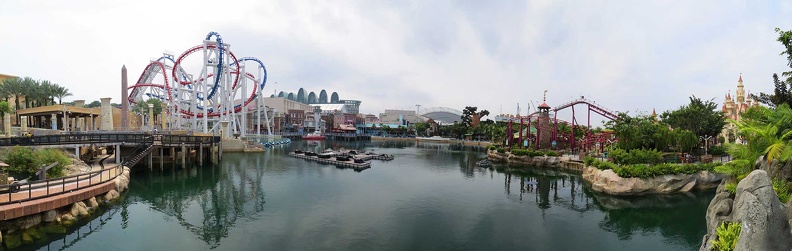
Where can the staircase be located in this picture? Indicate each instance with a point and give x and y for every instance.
(134, 156)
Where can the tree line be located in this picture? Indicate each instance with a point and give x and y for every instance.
(36, 92)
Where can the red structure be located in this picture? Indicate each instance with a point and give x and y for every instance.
(547, 133)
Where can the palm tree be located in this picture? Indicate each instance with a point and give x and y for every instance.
(13, 88)
(60, 92)
(47, 94)
(29, 88)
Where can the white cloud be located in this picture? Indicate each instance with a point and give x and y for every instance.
(626, 55)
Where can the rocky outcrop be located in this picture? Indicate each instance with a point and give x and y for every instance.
(607, 181)
(764, 219)
(539, 161)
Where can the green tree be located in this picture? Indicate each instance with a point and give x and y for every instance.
(637, 132)
(471, 111)
(13, 87)
(781, 94)
(61, 92)
(703, 118)
(141, 107)
(420, 128)
(94, 104)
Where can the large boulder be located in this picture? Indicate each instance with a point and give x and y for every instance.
(609, 182)
(49, 216)
(765, 225)
(719, 210)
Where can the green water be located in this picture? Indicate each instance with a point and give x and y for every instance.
(431, 197)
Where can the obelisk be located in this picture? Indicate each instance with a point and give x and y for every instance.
(124, 99)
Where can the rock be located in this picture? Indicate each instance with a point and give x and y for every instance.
(28, 221)
(49, 216)
(26, 238)
(765, 225)
(111, 195)
(78, 209)
(1, 237)
(91, 203)
(609, 182)
(13, 241)
(719, 210)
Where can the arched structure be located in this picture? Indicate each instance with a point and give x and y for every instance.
(442, 115)
(290, 96)
(301, 96)
(334, 98)
(281, 94)
(323, 97)
(312, 98)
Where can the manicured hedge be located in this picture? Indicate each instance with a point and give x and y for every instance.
(532, 153)
(647, 171)
(636, 156)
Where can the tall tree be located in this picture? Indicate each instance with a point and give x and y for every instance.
(469, 115)
(13, 88)
(61, 92)
(703, 118)
(781, 94)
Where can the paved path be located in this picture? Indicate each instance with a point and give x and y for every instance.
(73, 183)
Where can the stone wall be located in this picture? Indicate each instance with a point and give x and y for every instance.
(27, 229)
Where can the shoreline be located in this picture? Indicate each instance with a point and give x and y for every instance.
(441, 141)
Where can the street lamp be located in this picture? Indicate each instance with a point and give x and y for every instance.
(706, 139)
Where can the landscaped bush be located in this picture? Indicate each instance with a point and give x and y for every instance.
(727, 236)
(491, 148)
(25, 160)
(717, 150)
(636, 156)
(501, 150)
(551, 153)
(647, 171)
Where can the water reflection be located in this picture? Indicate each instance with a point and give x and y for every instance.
(208, 200)
(676, 217)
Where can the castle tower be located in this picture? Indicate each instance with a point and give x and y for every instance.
(740, 91)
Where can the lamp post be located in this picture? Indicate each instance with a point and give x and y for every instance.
(706, 139)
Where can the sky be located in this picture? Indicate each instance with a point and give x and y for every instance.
(629, 56)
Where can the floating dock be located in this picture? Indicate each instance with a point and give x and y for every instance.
(332, 161)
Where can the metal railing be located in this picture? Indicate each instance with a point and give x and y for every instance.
(58, 185)
(94, 138)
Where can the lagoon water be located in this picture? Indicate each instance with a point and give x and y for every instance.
(431, 197)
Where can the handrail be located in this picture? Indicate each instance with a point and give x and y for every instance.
(93, 138)
(29, 186)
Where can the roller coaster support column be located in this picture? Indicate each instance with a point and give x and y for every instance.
(243, 123)
(529, 127)
(572, 139)
(555, 126)
(588, 128)
(521, 135)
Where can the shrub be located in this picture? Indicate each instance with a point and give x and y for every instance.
(647, 171)
(501, 150)
(717, 150)
(49, 156)
(551, 153)
(727, 236)
(782, 190)
(22, 159)
(491, 148)
(25, 160)
(636, 156)
(731, 187)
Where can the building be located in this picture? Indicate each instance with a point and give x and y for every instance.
(282, 105)
(400, 117)
(734, 109)
(302, 96)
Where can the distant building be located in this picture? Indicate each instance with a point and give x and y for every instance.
(400, 117)
(350, 106)
(734, 110)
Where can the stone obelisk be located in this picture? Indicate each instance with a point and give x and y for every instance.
(124, 99)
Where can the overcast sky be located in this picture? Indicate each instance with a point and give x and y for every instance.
(626, 55)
